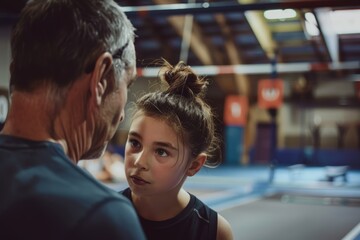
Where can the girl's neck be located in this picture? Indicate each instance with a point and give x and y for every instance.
(160, 208)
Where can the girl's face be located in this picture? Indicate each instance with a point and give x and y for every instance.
(155, 157)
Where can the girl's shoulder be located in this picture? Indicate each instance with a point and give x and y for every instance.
(224, 231)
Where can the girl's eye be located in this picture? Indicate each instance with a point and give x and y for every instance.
(162, 152)
(134, 143)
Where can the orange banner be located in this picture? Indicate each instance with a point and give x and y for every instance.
(236, 110)
(270, 93)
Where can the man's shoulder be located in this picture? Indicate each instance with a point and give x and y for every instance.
(60, 195)
(43, 179)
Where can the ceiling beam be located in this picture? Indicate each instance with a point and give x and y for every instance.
(255, 69)
(327, 33)
(166, 9)
(261, 30)
(198, 44)
(241, 80)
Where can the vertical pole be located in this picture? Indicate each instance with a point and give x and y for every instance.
(273, 114)
(186, 40)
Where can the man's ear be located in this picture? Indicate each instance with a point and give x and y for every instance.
(196, 164)
(99, 81)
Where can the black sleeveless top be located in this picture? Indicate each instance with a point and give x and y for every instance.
(196, 221)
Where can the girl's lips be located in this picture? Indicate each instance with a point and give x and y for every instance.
(138, 180)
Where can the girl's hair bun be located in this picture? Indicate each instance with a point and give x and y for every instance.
(182, 80)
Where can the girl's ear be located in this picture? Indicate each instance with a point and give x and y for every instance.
(196, 164)
(98, 80)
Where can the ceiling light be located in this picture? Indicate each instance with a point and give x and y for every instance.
(310, 17)
(280, 14)
(311, 25)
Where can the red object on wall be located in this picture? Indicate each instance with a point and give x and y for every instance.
(270, 93)
(236, 110)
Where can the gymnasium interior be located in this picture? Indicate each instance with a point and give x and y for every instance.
(284, 83)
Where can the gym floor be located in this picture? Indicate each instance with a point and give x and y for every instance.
(290, 203)
(283, 203)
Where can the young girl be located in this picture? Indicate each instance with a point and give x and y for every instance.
(171, 137)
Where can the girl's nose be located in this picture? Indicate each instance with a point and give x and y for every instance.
(141, 161)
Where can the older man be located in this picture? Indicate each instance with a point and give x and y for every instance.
(72, 62)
